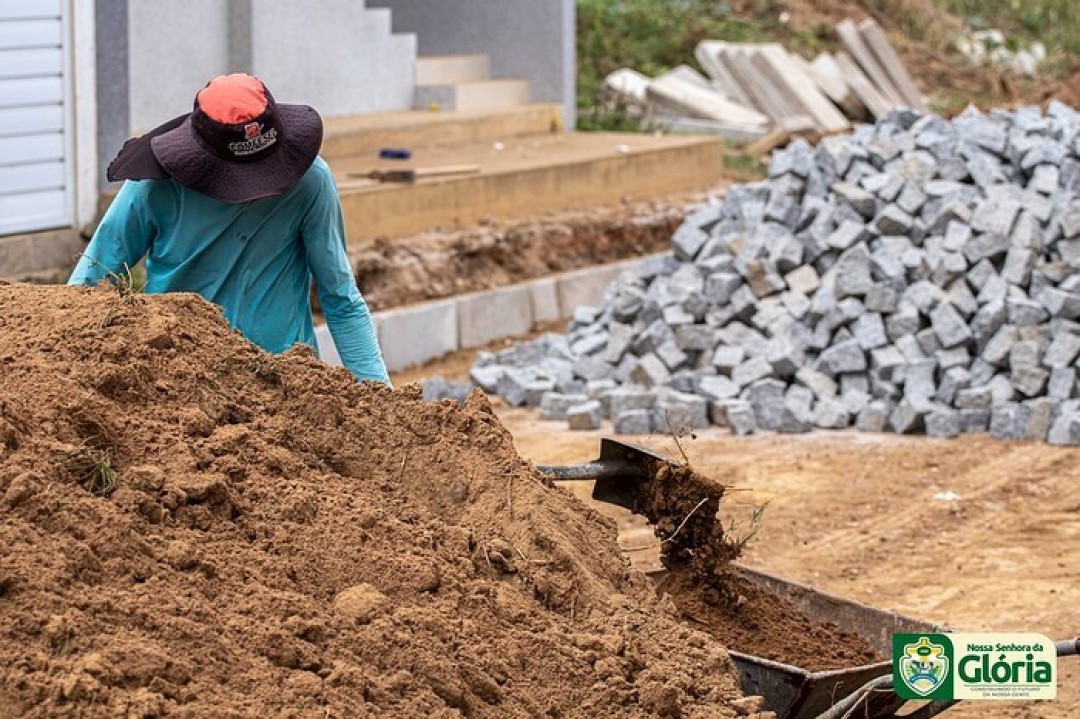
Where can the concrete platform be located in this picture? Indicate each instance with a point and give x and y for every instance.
(365, 135)
(522, 177)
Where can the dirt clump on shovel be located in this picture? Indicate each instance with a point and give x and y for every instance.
(712, 594)
(191, 527)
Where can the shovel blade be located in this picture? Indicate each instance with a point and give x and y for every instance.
(636, 466)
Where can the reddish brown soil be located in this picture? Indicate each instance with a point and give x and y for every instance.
(279, 541)
(441, 264)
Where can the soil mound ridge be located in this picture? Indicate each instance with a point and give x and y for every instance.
(191, 527)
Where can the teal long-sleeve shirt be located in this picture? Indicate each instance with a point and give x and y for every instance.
(255, 260)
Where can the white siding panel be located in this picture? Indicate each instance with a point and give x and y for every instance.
(33, 211)
(38, 91)
(31, 148)
(35, 62)
(16, 9)
(31, 120)
(30, 33)
(16, 179)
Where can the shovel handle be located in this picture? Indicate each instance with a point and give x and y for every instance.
(591, 470)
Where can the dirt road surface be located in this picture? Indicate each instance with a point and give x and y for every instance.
(974, 533)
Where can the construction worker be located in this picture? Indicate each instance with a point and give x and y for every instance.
(233, 202)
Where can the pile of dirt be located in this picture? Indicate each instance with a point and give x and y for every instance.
(191, 527)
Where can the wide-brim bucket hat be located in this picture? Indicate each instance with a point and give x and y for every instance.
(237, 145)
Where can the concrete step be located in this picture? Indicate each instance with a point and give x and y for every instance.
(522, 177)
(365, 135)
(473, 95)
(451, 69)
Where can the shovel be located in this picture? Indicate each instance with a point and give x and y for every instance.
(619, 471)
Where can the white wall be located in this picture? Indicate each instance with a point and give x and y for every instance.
(533, 39)
(174, 48)
(334, 55)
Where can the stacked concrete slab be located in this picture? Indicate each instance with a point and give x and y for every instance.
(918, 276)
(753, 89)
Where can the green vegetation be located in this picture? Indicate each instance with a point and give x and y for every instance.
(651, 36)
(1054, 23)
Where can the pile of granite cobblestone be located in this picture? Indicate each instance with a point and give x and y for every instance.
(919, 275)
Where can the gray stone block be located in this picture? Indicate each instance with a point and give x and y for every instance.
(874, 417)
(953, 381)
(634, 421)
(909, 348)
(869, 331)
(996, 289)
(842, 357)
(854, 381)
(803, 279)
(687, 242)
(717, 388)
(822, 385)
(1025, 353)
(832, 414)
(855, 400)
(1024, 312)
(1062, 383)
(996, 216)
(996, 351)
(487, 377)
(741, 418)
(858, 199)
(1001, 389)
(949, 326)
(980, 273)
(513, 386)
(1019, 262)
(720, 286)
(555, 405)
(882, 298)
(1008, 420)
(1060, 303)
(695, 337)
(893, 221)
(907, 418)
(1065, 430)
(726, 358)
(848, 234)
(681, 412)
(671, 356)
(1041, 415)
(956, 357)
(987, 321)
(974, 420)
(650, 371)
(751, 370)
(852, 270)
(1029, 381)
(957, 234)
(766, 396)
(619, 337)
(919, 380)
(905, 321)
(592, 368)
(586, 416)
(629, 397)
(928, 342)
(763, 279)
(943, 422)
